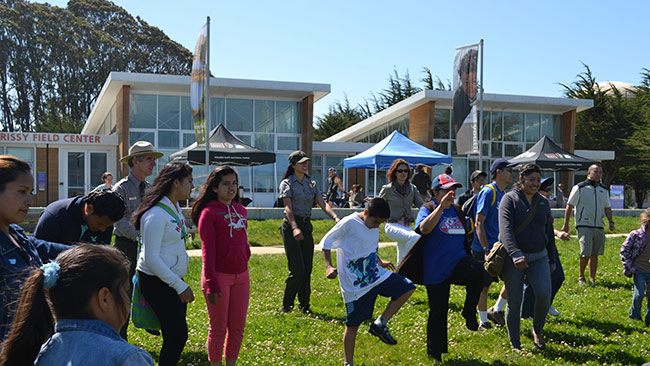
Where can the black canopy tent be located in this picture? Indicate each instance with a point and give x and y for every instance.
(225, 149)
(549, 156)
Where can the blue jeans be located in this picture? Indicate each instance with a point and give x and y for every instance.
(557, 278)
(641, 287)
(539, 277)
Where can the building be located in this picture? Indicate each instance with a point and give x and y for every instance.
(511, 124)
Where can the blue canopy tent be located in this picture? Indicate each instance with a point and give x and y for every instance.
(395, 146)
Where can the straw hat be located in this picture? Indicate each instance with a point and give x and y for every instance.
(141, 148)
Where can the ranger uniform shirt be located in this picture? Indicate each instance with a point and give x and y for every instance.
(129, 188)
(303, 193)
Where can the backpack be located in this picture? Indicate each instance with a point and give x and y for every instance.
(469, 212)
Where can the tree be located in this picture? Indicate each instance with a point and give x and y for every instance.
(54, 61)
(339, 117)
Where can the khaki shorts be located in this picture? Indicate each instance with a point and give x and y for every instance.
(592, 241)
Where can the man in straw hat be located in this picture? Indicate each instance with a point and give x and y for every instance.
(141, 160)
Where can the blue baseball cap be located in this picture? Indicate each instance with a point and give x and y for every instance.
(501, 164)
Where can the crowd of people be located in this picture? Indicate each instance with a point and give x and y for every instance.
(67, 293)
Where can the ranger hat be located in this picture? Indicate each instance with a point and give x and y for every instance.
(297, 157)
(140, 148)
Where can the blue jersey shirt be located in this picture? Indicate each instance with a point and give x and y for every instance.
(444, 246)
(491, 224)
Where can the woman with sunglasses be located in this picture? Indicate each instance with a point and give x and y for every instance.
(401, 195)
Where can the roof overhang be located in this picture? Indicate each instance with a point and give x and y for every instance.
(180, 85)
(444, 99)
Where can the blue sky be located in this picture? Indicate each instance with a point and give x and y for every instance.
(530, 47)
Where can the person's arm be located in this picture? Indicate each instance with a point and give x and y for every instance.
(608, 213)
(326, 208)
(387, 265)
(288, 211)
(47, 250)
(124, 225)
(550, 244)
(338, 182)
(567, 216)
(330, 270)
(209, 250)
(431, 220)
(153, 232)
(507, 229)
(480, 232)
(417, 199)
(626, 253)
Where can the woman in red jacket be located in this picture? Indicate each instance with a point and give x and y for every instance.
(225, 281)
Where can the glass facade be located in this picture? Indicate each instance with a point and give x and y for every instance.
(166, 122)
(400, 124)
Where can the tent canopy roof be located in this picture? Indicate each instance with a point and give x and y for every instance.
(225, 149)
(393, 147)
(549, 156)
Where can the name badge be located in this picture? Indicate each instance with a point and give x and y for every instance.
(133, 198)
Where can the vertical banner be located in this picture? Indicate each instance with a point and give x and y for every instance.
(617, 196)
(465, 108)
(198, 90)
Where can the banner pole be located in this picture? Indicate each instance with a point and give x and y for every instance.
(207, 104)
(480, 118)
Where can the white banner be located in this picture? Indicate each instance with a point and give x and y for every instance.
(465, 108)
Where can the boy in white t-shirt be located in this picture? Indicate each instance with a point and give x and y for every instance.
(363, 275)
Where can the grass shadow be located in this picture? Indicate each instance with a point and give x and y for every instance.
(613, 357)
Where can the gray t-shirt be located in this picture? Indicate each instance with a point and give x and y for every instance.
(302, 193)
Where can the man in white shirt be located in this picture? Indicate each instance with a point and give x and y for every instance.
(363, 275)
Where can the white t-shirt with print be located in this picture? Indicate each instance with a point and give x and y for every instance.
(356, 257)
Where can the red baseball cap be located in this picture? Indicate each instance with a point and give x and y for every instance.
(445, 181)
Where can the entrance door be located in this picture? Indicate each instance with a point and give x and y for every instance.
(84, 171)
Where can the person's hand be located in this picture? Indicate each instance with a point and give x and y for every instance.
(387, 265)
(331, 272)
(212, 298)
(563, 235)
(187, 296)
(565, 227)
(447, 200)
(297, 234)
(521, 263)
(611, 226)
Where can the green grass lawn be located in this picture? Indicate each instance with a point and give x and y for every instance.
(593, 327)
(267, 232)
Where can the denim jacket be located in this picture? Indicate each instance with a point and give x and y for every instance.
(15, 266)
(89, 342)
(633, 245)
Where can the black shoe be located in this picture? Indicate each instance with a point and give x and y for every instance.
(153, 332)
(285, 310)
(471, 323)
(381, 332)
(485, 326)
(539, 346)
(434, 356)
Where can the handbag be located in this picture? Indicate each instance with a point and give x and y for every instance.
(497, 256)
(142, 315)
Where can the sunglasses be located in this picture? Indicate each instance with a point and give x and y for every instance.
(402, 170)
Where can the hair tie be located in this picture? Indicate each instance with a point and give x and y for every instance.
(51, 274)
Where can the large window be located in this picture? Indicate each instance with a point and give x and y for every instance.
(288, 117)
(239, 115)
(142, 110)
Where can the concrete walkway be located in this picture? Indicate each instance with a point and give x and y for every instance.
(275, 249)
(280, 249)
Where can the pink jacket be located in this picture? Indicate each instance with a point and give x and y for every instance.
(224, 242)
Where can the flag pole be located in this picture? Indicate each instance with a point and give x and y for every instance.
(480, 118)
(207, 104)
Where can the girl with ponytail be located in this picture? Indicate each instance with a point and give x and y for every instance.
(86, 290)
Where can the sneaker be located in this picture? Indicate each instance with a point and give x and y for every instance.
(581, 280)
(553, 311)
(485, 326)
(153, 332)
(496, 317)
(381, 332)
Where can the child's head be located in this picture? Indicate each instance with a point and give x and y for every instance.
(377, 212)
(645, 217)
(222, 185)
(84, 282)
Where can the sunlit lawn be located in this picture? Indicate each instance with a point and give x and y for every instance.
(593, 327)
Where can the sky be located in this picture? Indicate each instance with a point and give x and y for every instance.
(530, 46)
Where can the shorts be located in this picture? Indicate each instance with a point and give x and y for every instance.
(592, 241)
(361, 309)
(487, 279)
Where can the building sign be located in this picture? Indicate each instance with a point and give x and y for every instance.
(617, 196)
(56, 138)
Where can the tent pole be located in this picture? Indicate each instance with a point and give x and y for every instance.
(375, 189)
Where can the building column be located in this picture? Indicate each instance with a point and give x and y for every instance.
(122, 128)
(47, 161)
(568, 142)
(421, 120)
(307, 121)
